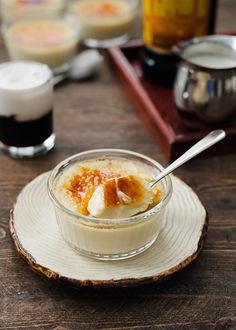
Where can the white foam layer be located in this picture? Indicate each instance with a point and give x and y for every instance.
(21, 75)
(26, 90)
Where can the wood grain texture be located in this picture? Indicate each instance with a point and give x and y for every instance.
(203, 296)
(36, 236)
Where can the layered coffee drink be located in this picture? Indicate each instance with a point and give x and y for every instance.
(26, 93)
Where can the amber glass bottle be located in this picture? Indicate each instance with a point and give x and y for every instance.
(166, 22)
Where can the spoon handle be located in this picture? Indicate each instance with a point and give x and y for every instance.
(57, 79)
(208, 141)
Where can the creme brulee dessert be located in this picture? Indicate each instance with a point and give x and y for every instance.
(52, 42)
(104, 19)
(107, 189)
(13, 10)
(104, 205)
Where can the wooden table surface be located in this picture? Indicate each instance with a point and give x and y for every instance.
(98, 114)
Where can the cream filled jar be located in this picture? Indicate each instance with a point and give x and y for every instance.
(50, 41)
(71, 185)
(104, 23)
(12, 10)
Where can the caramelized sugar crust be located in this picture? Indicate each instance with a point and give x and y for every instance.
(41, 31)
(82, 186)
(130, 186)
(102, 9)
(117, 189)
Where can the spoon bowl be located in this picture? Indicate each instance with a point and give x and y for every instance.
(82, 66)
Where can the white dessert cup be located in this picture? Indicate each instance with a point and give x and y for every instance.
(104, 32)
(109, 239)
(57, 55)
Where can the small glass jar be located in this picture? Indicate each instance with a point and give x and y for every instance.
(12, 10)
(104, 23)
(50, 41)
(26, 92)
(109, 239)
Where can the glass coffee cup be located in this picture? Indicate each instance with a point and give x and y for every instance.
(26, 92)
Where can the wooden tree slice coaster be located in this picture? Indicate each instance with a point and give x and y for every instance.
(36, 236)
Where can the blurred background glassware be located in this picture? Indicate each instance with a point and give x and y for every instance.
(12, 10)
(205, 84)
(26, 92)
(166, 22)
(104, 23)
(50, 41)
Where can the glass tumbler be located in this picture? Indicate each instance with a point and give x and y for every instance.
(26, 92)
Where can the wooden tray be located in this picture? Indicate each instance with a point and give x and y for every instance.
(156, 106)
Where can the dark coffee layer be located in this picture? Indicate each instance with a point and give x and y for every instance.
(25, 133)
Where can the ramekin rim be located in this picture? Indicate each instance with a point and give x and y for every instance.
(97, 221)
(68, 20)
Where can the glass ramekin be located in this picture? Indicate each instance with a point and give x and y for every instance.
(12, 10)
(109, 239)
(55, 54)
(105, 31)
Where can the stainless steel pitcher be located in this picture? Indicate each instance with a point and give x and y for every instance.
(206, 78)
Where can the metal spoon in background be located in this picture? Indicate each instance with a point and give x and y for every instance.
(82, 66)
(208, 141)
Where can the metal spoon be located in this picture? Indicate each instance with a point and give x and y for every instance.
(97, 206)
(208, 141)
(82, 66)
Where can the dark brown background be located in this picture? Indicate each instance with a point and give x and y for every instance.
(203, 296)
